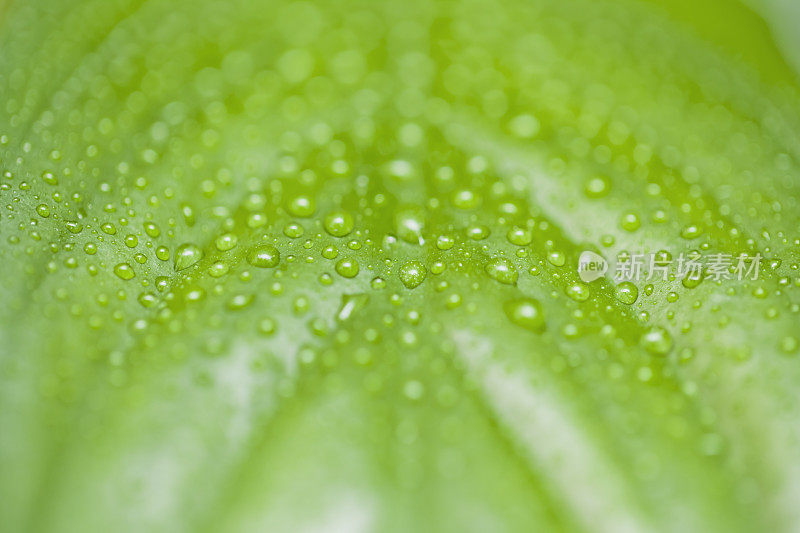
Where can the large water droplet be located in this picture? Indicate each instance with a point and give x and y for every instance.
(412, 273)
(187, 255)
(525, 313)
(657, 341)
(626, 292)
(124, 271)
(264, 256)
(339, 223)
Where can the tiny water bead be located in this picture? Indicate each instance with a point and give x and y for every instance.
(502, 270)
(339, 223)
(526, 313)
(412, 274)
(43, 210)
(657, 341)
(124, 271)
(187, 255)
(347, 268)
(264, 256)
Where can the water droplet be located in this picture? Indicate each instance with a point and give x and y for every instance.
(578, 291)
(351, 303)
(444, 242)
(347, 268)
(657, 341)
(339, 223)
(188, 214)
(630, 222)
(597, 187)
(74, 227)
(413, 389)
(524, 126)
(151, 229)
(691, 231)
(412, 273)
(49, 178)
(556, 258)
(330, 252)
(409, 225)
(302, 206)
(519, 236)
(466, 199)
(502, 270)
(187, 255)
(218, 269)
(264, 256)
(626, 292)
(478, 233)
(226, 242)
(266, 326)
(124, 271)
(240, 301)
(526, 313)
(293, 231)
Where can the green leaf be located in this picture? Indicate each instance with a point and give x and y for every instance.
(294, 266)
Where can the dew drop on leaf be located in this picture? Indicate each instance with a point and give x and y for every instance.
(657, 341)
(347, 268)
(412, 274)
(626, 292)
(502, 270)
(526, 313)
(124, 271)
(187, 255)
(339, 223)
